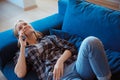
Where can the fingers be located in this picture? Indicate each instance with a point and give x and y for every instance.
(22, 39)
(57, 73)
(21, 33)
(58, 70)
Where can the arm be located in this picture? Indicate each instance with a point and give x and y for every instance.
(20, 68)
(65, 56)
(59, 66)
(69, 50)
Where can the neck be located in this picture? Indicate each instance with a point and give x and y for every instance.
(31, 42)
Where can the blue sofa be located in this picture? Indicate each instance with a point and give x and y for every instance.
(75, 20)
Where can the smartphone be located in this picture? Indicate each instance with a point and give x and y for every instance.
(23, 38)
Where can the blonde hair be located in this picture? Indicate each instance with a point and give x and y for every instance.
(37, 34)
(15, 30)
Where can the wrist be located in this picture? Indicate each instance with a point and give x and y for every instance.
(22, 48)
(60, 60)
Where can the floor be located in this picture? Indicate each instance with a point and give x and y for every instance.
(10, 13)
(2, 77)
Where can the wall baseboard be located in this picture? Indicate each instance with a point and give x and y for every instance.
(30, 7)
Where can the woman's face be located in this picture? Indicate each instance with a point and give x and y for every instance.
(25, 28)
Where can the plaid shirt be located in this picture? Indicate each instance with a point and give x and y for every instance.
(43, 56)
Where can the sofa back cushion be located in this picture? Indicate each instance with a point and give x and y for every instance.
(88, 19)
(62, 5)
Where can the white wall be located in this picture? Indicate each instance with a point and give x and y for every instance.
(19, 3)
(23, 3)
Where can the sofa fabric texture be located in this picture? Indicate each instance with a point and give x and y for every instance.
(75, 20)
(62, 6)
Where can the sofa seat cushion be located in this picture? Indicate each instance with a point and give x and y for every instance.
(8, 72)
(87, 19)
(114, 60)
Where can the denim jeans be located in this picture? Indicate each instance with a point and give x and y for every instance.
(91, 62)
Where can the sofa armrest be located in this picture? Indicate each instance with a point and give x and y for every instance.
(8, 43)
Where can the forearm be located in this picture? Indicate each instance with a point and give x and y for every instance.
(66, 55)
(59, 66)
(20, 67)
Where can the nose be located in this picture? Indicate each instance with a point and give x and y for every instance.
(24, 27)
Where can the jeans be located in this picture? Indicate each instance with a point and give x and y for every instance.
(91, 62)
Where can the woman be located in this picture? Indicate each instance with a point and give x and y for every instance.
(51, 57)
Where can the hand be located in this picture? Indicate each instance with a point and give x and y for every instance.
(58, 70)
(22, 42)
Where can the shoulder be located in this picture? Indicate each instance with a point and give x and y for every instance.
(50, 37)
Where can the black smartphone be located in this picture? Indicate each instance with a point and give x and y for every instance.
(23, 38)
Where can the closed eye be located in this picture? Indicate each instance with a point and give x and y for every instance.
(20, 27)
(25, 24)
